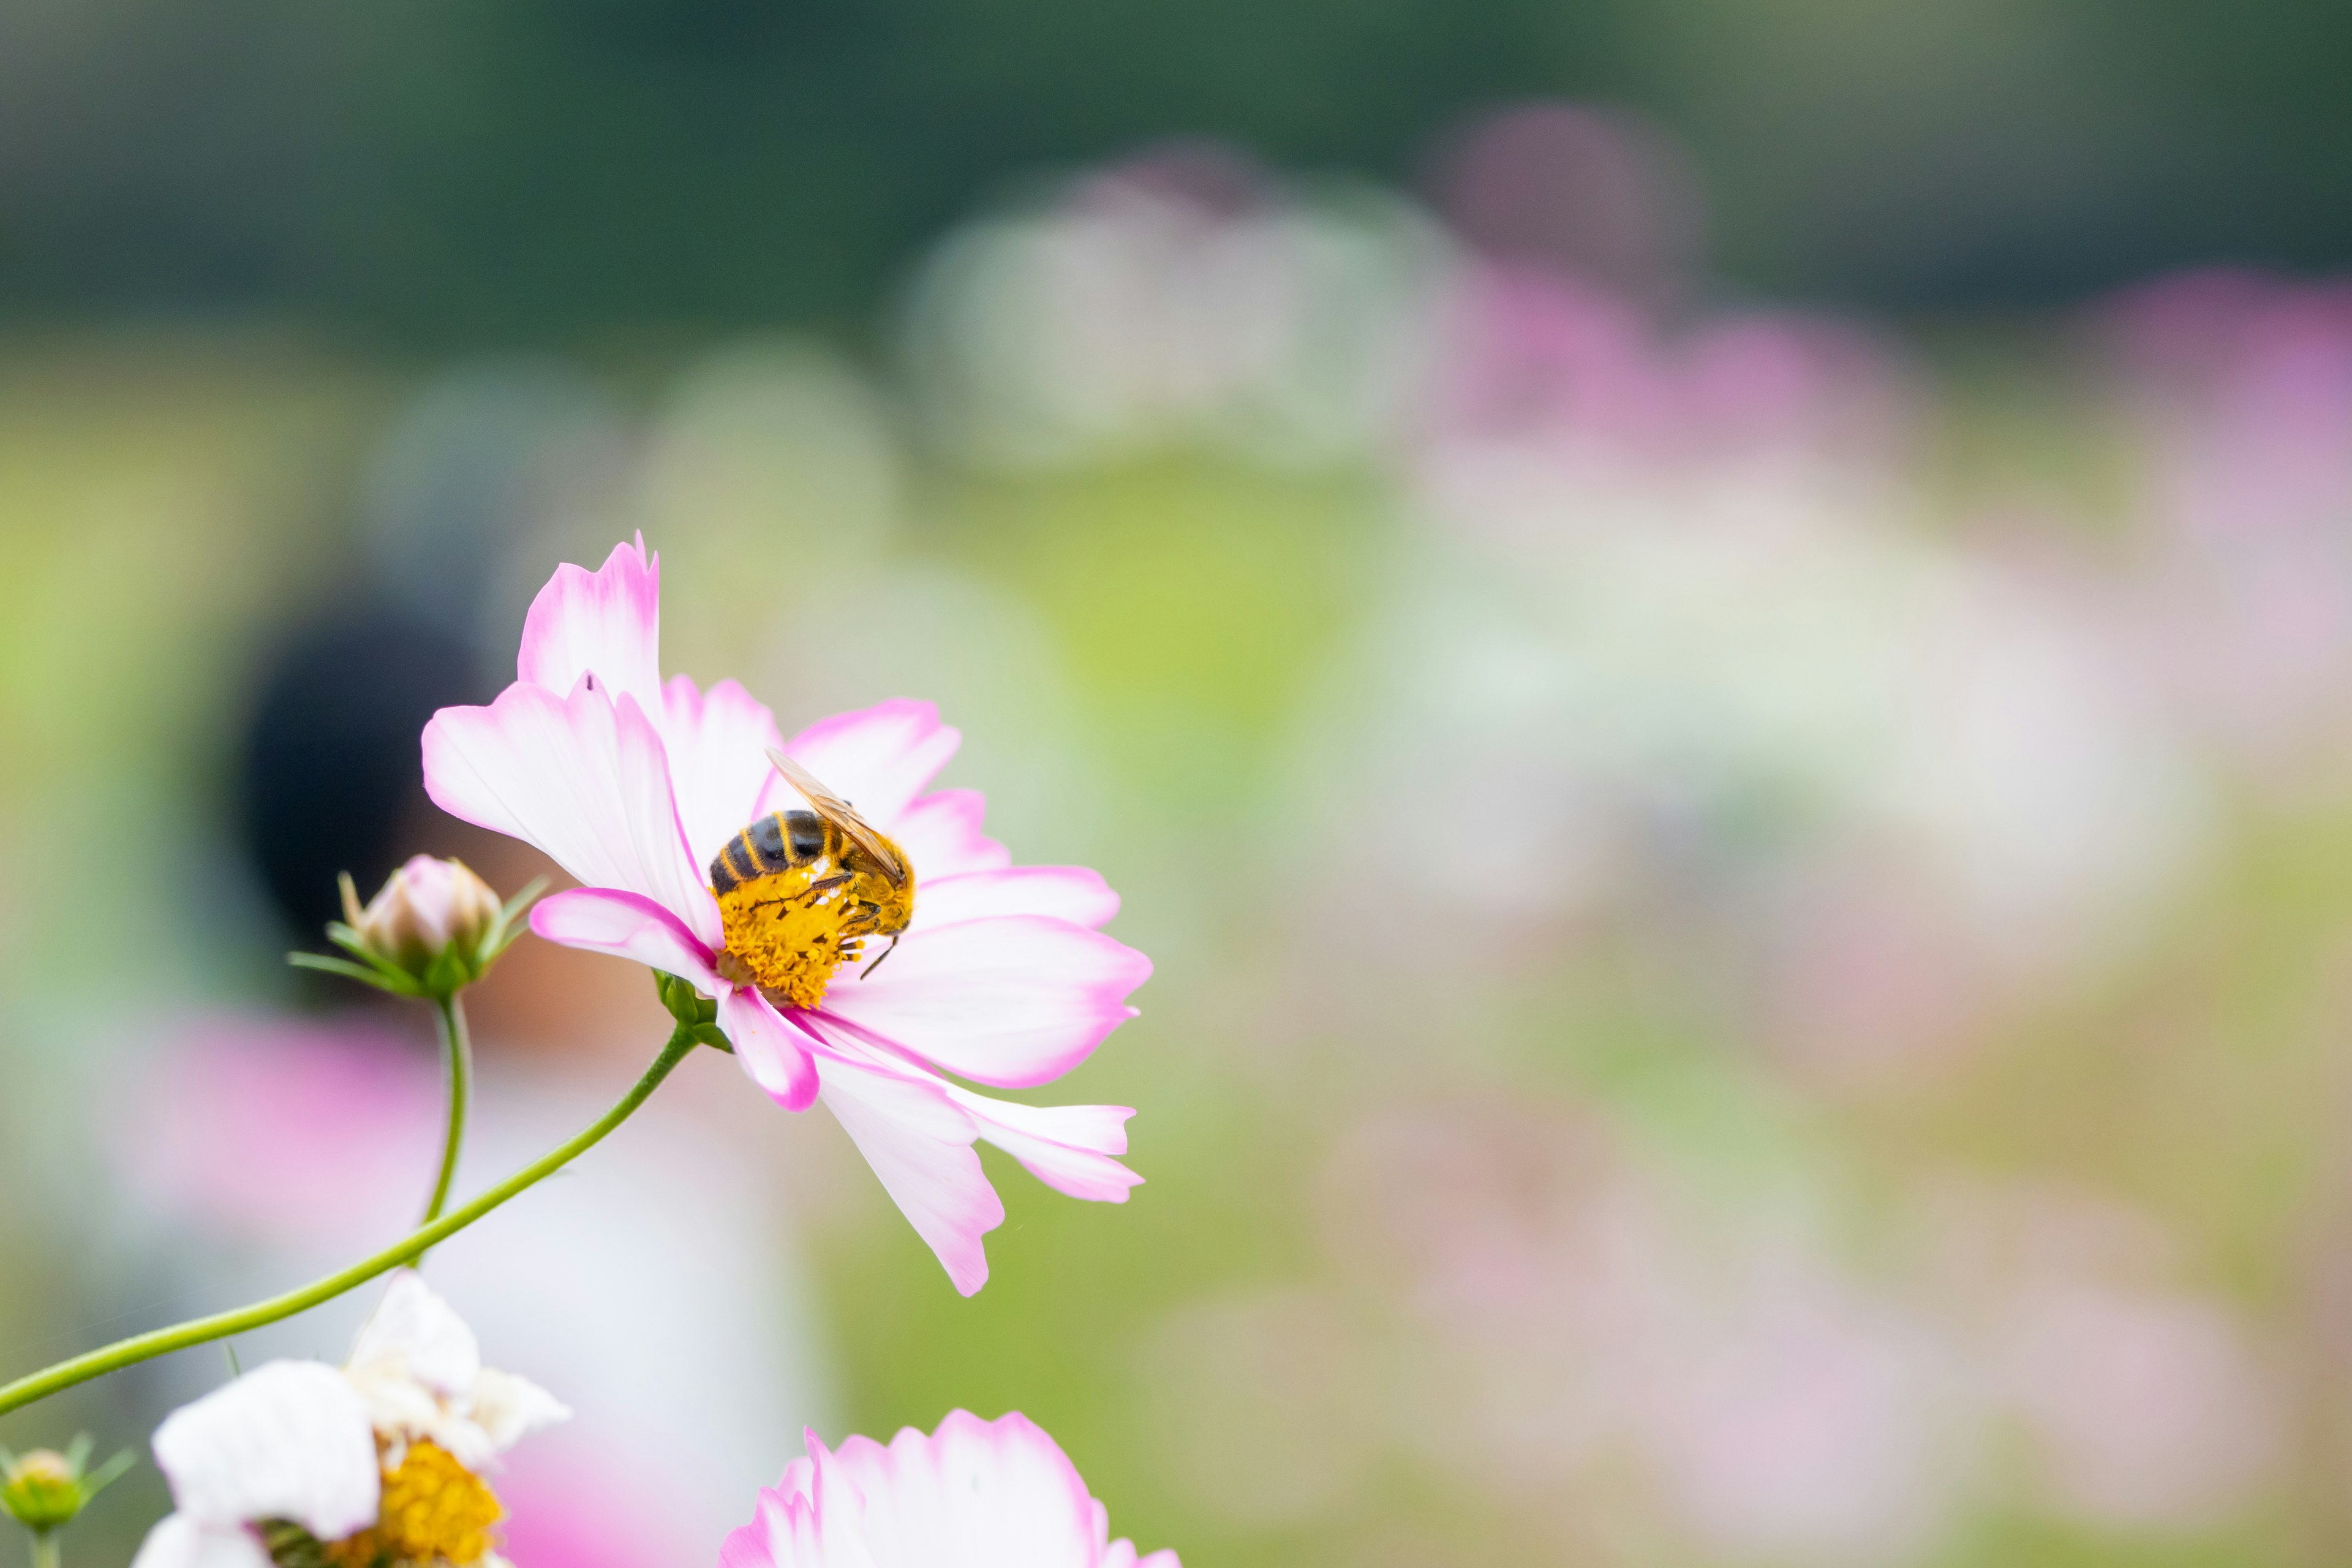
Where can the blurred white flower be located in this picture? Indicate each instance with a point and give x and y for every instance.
(391, 1446)
(1178, 299)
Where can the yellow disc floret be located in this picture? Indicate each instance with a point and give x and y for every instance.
(788, 931)
(435, 1511)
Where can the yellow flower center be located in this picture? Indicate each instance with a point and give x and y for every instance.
(788, 931)
(435, 1510)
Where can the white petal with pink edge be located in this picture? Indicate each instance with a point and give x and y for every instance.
(1072, 893)
(919, 1141)
(771, 1050)
(1070, 1148)
(287, 1440)
(582, 777)
(606, 623)
(974, 1494)
(984, 1492)
(626, 925)
(809, 1520)
(941, 834)
(718, 742)
(878, 759)
(1009, 1002)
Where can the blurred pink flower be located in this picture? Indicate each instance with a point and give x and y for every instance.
(574, 1504)
(280, 1131)
(974, 1491)
(1806, 1419)
(2241, 386)
(632, 786)
(1593, 193)
(2147, 1408)
(1563, 373)
(1573, 1326)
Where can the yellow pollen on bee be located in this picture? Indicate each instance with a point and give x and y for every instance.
(435, 1510)
(788, 931)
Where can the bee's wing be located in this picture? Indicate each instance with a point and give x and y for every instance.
(835, 810)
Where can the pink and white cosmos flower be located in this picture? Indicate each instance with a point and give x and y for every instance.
(633, 786)
(978, 1494)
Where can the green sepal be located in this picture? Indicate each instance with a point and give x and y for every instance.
(107, 1474)
(695, 1012)
(508, 926)
(448, 973)
(351, 942)
(398, 985)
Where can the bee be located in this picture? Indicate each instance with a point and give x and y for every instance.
(800, 892)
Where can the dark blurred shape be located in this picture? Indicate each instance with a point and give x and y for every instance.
(329, 774)
(466, 174)
(484, 455)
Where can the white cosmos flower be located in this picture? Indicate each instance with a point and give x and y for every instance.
(973, 1494)
(414, 1418)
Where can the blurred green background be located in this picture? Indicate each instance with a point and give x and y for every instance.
(450, 173)
(1752, 910)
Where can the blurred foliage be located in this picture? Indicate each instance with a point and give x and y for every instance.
(525, 171)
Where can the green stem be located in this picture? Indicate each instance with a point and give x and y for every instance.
(47, 1552)
(457, 1058)
(144, 1347)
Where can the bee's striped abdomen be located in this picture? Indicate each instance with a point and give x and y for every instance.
(777, 842)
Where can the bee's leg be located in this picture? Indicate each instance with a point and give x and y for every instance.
(825, 885)
(878, 963)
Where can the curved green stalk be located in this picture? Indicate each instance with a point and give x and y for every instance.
(46, 1552)
(458, 1060)
(144, 1347)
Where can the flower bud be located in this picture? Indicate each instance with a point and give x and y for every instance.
(431, 930)
(42, 1489)
(426, 908)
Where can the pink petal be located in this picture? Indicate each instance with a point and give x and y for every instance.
(941, 834)
(920, 1144)
(1072, 893)
(584, 777)
(878, 759)
(626, 925)
(1008, 1001)
(1067, 1147)
(718, 746)
(607, 622)
(771, 1050)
